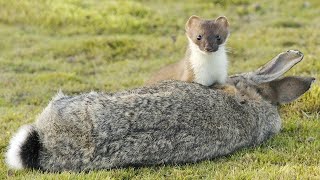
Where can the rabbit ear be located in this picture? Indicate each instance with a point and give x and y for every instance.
(277, 66)
(287, 89)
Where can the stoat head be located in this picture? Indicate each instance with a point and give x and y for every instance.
(207, 35)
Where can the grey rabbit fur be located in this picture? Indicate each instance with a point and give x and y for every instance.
(172, 122)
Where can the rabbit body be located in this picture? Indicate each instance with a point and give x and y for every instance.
(172, 122)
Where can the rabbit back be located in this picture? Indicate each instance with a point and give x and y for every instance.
(171, 123)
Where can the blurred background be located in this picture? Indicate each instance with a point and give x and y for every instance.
(78, 46)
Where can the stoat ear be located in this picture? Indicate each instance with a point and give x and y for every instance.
(192, 21)
(222, 20)
(288, 89)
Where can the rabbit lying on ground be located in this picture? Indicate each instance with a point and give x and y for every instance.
(171, 122)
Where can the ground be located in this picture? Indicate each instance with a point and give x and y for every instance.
(79, 46)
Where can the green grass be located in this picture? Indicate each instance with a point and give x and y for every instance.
(79, 46)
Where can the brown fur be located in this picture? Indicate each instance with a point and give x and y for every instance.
(177, 71)
(208, 29)
(194, 27)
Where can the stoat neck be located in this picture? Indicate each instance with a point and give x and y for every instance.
(208, 68)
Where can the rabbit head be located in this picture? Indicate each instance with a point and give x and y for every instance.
(266, 82)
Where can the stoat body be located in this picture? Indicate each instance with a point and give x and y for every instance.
(206, 60)
(208, 68)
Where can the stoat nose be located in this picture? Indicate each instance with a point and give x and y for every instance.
(211, 48)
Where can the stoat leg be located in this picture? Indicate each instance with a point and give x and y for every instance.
(229, 89)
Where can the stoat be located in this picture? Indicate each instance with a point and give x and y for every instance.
(205, 61)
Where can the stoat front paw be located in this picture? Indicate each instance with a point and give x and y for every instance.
(229, 89)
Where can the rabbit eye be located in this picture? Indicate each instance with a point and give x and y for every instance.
(259, 91)
(199, 37)
(218, 37)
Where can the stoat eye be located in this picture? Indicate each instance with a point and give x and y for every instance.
(199, 37)
(218, 37)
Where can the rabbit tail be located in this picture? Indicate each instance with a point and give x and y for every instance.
(24, 149)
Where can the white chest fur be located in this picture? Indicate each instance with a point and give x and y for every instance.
(208, 68)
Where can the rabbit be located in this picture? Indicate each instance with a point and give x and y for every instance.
(171, 122)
